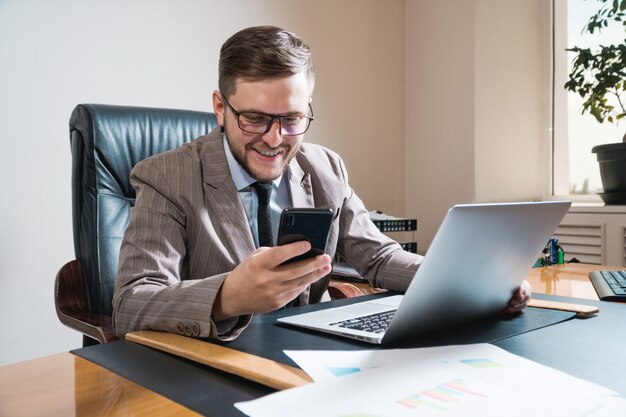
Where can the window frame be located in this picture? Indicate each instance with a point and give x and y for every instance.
(559, 150)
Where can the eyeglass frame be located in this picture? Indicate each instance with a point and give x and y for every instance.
(272, 118)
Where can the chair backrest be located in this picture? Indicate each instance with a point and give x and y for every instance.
(106, 142)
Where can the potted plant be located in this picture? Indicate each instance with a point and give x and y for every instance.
(599, 77)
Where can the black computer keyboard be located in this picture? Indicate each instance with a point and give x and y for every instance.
(374, 323)
(610, 285)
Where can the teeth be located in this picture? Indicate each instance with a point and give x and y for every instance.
(268, 153)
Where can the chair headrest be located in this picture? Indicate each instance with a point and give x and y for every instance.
(116, 138)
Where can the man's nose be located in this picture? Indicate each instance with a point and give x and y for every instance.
(273, 137)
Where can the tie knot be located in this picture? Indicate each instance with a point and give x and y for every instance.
(263, 191)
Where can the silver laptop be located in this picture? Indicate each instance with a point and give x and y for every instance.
(478, 258)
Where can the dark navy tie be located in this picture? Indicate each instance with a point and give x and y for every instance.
(264, 216)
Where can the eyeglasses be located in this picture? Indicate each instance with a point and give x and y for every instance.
(261, 123)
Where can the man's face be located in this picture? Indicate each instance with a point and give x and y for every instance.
(264, 156)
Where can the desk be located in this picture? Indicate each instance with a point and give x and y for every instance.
(66, 385)
(587, 348)
(568, 280)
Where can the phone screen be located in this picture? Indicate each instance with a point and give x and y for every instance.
(310, 224)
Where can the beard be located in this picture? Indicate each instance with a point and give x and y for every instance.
(288, 151)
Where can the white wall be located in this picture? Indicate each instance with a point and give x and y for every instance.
(476, 126)
(510, 128)
(439, 110)
(56, 54)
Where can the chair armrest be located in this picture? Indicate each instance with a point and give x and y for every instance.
(71, 307)
(338, 290)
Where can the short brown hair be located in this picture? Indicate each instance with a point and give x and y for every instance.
(260, 53)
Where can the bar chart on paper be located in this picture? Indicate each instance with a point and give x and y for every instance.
(455, 396)
(467, 380)
(438, 397)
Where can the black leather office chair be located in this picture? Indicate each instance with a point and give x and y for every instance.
(106, 142)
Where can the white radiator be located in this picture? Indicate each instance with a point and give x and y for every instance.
(581, 241)
(594, 234)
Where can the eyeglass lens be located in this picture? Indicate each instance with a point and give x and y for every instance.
(261, 123)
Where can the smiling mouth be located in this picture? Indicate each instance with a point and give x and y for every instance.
(269, 153)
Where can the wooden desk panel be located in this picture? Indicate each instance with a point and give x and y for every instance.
(66, 385)
(569, 280)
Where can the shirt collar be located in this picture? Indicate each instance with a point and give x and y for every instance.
(240, 177)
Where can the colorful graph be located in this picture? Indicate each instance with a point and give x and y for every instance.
(441, 396)
(341, 371)
(359, 415)
(481, 363)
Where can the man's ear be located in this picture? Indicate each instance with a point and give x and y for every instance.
(218, 107)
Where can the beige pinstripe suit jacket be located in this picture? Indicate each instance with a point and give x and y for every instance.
(189, 229)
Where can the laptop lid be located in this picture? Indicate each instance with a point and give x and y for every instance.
(478, 258)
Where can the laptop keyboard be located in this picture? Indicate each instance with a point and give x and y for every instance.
(373, 323)
(610, 285)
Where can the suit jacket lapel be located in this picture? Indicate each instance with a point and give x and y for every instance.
(300, 186)
(222, 199)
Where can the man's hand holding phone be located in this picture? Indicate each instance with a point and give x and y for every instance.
(263, 282)
(270, 278)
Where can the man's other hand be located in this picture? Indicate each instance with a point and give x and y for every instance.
(520, 299)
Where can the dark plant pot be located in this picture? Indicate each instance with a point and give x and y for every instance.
(612, 161)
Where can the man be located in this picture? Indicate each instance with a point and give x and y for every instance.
(193, 260)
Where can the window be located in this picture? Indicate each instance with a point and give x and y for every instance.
(575, 169)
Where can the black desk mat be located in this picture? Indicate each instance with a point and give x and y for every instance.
(265, 337)
(212, 393)
(592, 348)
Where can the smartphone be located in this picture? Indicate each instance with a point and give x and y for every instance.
(310, 224)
